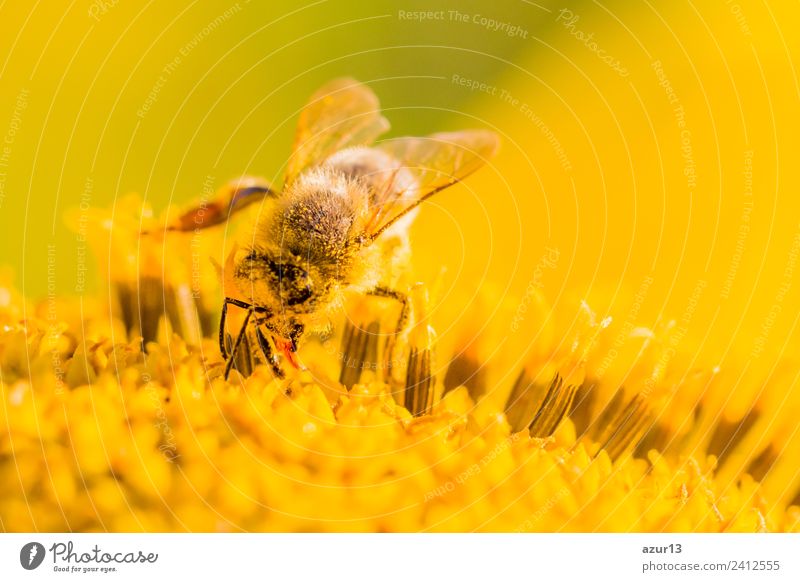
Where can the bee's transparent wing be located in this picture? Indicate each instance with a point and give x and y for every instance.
(342, 113)
(437, 162)
(229, 199)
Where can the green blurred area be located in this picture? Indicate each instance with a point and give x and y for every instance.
(106, 98)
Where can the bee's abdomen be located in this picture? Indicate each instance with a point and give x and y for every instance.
(376, 169)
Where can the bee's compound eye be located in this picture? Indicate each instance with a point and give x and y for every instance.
(296, 285)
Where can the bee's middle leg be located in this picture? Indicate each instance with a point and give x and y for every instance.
(402, 324)
(402, 298)
(359, 345)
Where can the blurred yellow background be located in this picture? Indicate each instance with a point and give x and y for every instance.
(648, 148)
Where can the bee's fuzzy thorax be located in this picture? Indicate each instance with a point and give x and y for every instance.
(311, 230)
(316, 217)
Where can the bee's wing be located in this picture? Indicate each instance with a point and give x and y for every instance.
(437, 162)
(228, 200)
(342, 113)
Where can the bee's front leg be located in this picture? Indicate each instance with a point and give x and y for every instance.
(237, 343)
(223, 349)
(266, 349)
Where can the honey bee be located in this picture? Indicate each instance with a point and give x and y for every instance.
(339, 224)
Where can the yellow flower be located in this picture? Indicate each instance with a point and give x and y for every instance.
(100, 436)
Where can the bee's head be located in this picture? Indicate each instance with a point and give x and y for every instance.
(291, 282)
(279, 280)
